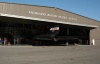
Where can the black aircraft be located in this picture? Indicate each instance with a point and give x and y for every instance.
(53, 35)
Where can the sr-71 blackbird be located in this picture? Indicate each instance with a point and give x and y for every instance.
(53, 35)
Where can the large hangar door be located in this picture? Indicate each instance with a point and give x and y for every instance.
(75, 34)
(82, 34)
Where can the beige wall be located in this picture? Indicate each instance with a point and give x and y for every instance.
(95, 34)
(23, 10)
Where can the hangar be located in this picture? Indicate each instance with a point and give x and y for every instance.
(23, 21)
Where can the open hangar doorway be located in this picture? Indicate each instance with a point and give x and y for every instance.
(25, 29)
(81, 33)
(21, 29)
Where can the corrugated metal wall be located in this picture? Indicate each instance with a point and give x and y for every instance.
(23, 10)
(95, 34)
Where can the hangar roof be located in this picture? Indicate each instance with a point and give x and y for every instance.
(44, 13)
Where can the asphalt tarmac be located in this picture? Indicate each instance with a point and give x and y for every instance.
(49, 54)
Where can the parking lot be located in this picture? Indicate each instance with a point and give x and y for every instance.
(50, 54)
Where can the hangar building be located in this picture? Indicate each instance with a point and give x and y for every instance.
(20, 20)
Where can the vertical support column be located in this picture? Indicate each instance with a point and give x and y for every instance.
(67, 35)
(89, 37)
(67, 31)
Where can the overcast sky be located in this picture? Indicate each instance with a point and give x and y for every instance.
(88, 8)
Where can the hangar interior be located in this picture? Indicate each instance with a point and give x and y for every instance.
(24, 30)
